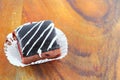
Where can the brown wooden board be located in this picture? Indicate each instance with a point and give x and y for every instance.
(91, 26)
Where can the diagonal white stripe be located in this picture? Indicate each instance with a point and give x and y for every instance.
(33, 35)
(51, 25)
(22, 27)
(29, 31)
(46, 37)
(52, 43)
(19, 29)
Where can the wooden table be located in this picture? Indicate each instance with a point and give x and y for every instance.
(92, 28)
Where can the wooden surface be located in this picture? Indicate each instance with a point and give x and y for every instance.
(91, 26)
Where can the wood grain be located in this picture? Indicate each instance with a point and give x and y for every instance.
(92, 28)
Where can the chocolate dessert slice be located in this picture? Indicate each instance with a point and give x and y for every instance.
(35, 43)
(36, 38)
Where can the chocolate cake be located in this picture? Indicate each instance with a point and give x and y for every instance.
(36, 37)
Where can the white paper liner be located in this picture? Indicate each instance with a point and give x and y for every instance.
(14, 57)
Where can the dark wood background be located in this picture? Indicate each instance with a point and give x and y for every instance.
(91, 26)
